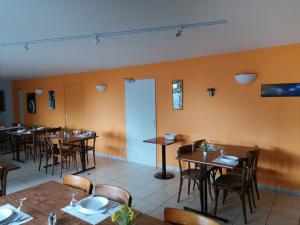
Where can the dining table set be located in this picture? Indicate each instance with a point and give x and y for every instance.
(56, 203)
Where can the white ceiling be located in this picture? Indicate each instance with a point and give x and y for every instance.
(251, 24)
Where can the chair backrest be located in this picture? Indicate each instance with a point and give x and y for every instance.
(78, 182)
(114, 193)
(247, 170)
(54, 130)
(3, 179)
(181, 217)
(256, 155)
(181, 150)
(198, 143)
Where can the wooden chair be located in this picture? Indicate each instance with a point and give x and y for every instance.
(181, 217)
(78, 182)
(32, 146)
(190, 174)
(114, 193)
(91, 147)
(62, 154)
(239, 184)
(238, 171)
(3, 179)
(54, 130)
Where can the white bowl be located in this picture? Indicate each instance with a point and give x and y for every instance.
(5, 213)
(95, 204)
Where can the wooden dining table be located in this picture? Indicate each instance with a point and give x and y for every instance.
(52, 197)
(196, 156)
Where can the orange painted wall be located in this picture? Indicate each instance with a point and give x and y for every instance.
(236, 115)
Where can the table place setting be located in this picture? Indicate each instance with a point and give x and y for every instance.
(9, 215)
(92, 209)
(227, 160)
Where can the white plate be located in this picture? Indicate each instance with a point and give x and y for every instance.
(5, 213)
(230, 157)
(95, 204)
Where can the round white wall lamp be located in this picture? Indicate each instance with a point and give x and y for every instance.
(245, 78)
(39, 91)
(101, 87)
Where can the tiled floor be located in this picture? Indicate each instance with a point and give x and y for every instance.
(151, 196)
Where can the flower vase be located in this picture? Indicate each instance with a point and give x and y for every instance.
(205, 154)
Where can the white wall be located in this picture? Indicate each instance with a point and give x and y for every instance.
(6, 117)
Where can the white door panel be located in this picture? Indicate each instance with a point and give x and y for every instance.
(140, 120)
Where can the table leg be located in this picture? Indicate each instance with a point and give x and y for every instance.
(163, 175)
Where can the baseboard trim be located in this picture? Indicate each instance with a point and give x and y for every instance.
(278, 189)
(106, 156)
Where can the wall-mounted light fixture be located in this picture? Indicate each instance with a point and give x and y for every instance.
(101, 87)
(211, 91)
(245, 78)
(39, 91)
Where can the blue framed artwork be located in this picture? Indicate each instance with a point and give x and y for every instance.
(280, 90)
(177, 94)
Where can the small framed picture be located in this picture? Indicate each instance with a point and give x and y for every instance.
(177, 97)
(51, 97)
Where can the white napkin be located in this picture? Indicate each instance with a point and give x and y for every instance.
(8, 206)
(92, 218)
(225, 161)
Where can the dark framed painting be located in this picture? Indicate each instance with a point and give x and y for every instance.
(280, 90)
(51, 97)
(177, 94)
(31, 104)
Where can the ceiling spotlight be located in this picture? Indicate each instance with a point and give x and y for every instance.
(26, 47)
(97, 38)
(179, 32)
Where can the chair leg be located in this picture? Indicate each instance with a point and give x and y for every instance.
(217, 191)
(244, 207)
(225, 194)
(252, 194)
(256, 188)
(61, 166)
(53, 162)
(249, 200)
(180, 187)
(189, 185)
(40, 163)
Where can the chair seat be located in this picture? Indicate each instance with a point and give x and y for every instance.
(229, 181)
(191, 173)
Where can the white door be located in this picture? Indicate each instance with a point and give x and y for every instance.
(140, 120)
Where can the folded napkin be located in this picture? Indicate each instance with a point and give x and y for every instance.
(226, 161)
(16, 214)
(91, 218)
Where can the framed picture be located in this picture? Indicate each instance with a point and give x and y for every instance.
(177, 94)
(31, 105)
(51, 97)
(280, 90)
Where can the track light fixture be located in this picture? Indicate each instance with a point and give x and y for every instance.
(26, 46)
(97, 38)
(179, 32)
(97, 35)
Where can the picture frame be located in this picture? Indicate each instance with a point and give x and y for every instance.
(177, 94)
(31, 103)
(51, 98)
(280, 90)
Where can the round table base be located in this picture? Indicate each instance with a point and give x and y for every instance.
(159, 175)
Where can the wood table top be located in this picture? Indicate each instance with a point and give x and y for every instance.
(52, 197)
(162, 141)
(8, 165)
(196, 156)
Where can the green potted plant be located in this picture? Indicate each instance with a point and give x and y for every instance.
(124, 216)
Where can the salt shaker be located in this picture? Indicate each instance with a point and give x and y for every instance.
(52, 219)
